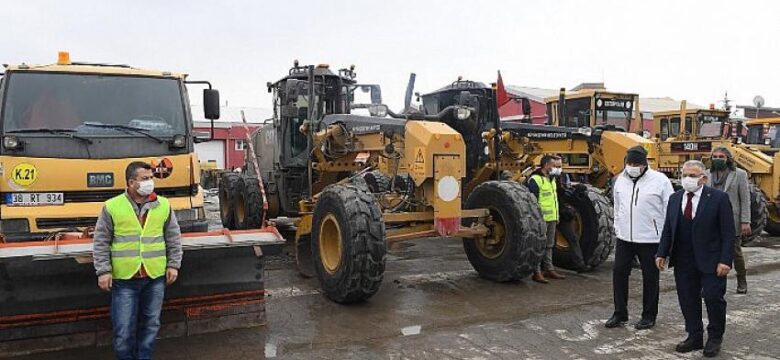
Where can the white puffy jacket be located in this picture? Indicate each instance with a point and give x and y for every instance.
(640, 207)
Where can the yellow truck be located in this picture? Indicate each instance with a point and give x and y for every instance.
(68, 132)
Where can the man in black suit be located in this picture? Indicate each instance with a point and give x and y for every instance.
(698, 238)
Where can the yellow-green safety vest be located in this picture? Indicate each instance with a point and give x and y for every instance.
(133, 245)
(548, 197)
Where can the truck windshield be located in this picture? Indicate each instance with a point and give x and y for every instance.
(68, 101)
(710, 126)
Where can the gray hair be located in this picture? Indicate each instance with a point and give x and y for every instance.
(695, 163)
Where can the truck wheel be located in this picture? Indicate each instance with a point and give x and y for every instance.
(758, 214)
(515, 244)
(254, 203)
(592, 225)
(228, 188)
(348, 243)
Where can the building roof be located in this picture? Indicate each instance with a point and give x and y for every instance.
(657, 104)
(232, 114)
(532, 93)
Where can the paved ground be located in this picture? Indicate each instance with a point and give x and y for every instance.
(433, 306)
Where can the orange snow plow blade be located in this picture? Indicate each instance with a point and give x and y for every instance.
(50, 299)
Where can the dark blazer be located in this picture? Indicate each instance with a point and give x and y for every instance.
(713, 230)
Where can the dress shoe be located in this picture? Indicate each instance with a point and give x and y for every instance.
(741, 285)
(644, 324)
(552, 274)
(690, 344)
(615, 321)
(712, 348)
(538, 277)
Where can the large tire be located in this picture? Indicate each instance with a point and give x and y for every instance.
(254, 203)
(228, 188)
(348, 243)
(593, 227)
(772, 227)
(758, 213)
(515, 245)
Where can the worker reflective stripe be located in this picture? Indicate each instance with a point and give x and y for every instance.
(153, 239)
(548, 197)
(127, 238)
(125, 253)
(135, 246)
(152, 254)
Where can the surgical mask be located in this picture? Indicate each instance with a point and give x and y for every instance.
(633, 171)
(719, 164)
(691, 184)
(556, 171)
(146, 187)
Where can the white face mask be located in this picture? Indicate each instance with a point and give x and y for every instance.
(633, 171)
(556, 171)
(146, 187)
(691, 184)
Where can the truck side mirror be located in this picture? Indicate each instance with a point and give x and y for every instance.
(211, 104)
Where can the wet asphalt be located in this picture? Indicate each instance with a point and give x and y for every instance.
(432, 305)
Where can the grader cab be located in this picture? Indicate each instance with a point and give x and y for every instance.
(354, 183)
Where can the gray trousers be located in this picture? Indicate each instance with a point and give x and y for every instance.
(739, 258)
(547, 262)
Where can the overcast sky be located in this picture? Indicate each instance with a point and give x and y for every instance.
(693, 50)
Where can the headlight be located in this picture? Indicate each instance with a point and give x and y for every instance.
(585, 131)
(487, 150)
(11, 142)
(767, 141)
(178, 141)
(463, 113)
(15, 226)
(377, 110)
(448, 188)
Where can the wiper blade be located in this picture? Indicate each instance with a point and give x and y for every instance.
(126, 129)
(64, 132)
(40, 130)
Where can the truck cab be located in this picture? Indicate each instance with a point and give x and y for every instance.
(69, 129)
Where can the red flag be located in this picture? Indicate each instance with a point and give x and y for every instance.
(501, 94)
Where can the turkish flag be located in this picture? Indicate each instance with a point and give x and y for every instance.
(501, 94)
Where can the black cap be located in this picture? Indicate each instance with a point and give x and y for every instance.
(636, 155)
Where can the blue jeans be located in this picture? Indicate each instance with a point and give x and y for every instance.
(135, 313)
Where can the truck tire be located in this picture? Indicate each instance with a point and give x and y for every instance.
(348, 243)
(515, 245)
(758, 214)
(228, 187)
(593, 227)
(254, 203)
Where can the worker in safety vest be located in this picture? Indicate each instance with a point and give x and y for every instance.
(542, 185)
(137, 252)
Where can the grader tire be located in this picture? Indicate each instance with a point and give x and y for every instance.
(515, 244)
(348, 243)
(759, 219)
(254, 203)
(228, 188)
(595, 232)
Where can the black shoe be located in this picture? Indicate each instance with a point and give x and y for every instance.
(712, 348)
(644, 324)
(689, 345)
(615, 321)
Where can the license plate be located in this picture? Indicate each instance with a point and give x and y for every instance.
(33, 199)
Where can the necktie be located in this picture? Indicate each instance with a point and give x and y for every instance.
(688, 213)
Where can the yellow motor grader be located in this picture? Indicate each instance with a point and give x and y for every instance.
(354, 183)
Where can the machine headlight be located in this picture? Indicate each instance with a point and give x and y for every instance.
(377, 110)
(767, 141)
(585, 131)
(448, 188)
(178, 141)
(11, 142)
(14, 226)
(487, 150)
(463, 113)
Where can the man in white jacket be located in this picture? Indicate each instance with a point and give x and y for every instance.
(641, 195)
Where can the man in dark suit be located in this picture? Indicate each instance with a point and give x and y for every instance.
(698, 239)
